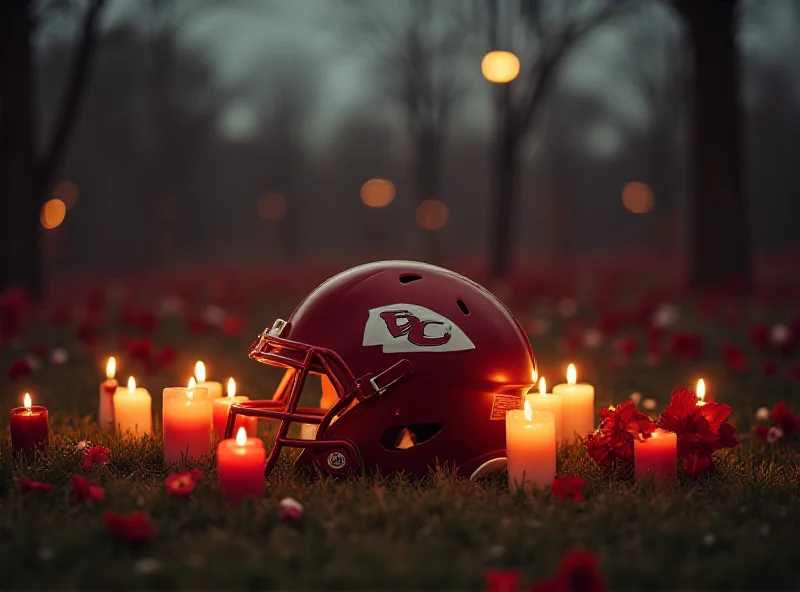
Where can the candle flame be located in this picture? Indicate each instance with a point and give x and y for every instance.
(192, 382)
(27, 401)
(542, 386)
(654, 435)
(528, 411)
(131, 385)
(534, 375)
(701, 389)
(231, 388)
(241, 436)
(200, 371)
(111, 368)
(572, 374)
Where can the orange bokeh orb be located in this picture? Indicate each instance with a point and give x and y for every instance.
(432, 214)
(53, 213)
(638, 197)
(377, 193)
(500, 66)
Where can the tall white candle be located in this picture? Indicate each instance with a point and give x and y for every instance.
(214, 388)
(545, 401)
(530, 448)
(133, 409)
(577, 401)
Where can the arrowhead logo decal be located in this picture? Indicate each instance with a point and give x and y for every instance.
(405, 328)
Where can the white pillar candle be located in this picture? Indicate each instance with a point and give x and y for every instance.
(577, 404)
(214, 388)
(186, 423)
(105, 411)
(545, 401)
(133, 409)
(530, 448)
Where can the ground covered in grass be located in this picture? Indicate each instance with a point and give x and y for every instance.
(735, 529)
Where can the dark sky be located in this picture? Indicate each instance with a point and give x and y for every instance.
(244, 39)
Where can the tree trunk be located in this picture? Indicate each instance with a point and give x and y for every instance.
(505, 185)
(427, 181)
(720, 231)
(20, 264)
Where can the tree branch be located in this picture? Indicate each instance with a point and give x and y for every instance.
(68, 109)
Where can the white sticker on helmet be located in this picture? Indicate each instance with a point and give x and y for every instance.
(402, 328)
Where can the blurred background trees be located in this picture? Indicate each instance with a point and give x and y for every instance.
(253, 133)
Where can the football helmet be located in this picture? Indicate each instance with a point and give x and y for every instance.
(419, 366)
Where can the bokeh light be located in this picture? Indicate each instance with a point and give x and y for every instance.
(271, 206)
(377, 193)
(53, 213)
(432, 214)
(500, 66)
(638, 197)
(67, 192)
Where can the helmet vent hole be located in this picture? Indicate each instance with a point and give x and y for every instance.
(462, 306)
(409, 277)
(407, 436)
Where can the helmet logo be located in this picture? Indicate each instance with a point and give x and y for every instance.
(336, 460)
(401, 328)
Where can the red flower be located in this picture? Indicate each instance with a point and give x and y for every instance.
(786, 419)
(686, 346)
(232, 325)
(196, 325)
(84, 490)
(96, 455)
(86, 334)
(570, 487)
(291, 510)
(502, 580)
(182, 484)
(759, 337)
(133, 528)
(577, 572)
(163, 358)
(613, 440)
(734, 358)
(770, 368)
(627, 346)
(701, 430)
(26, 485)
(139, 349)
(147, 321)
(19, 368)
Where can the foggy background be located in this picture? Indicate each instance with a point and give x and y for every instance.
(248, 131)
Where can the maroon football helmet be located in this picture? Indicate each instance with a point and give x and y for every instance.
(424, 364)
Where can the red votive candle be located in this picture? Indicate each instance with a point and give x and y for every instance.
(240, 464)
(657, 457)
(29, 425)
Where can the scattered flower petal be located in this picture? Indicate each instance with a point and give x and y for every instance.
(182, 484)
(83, 490)
(133, 528)
(95, 456)
(27, 485)
(291, 510)
(568, 488)
(507, 580)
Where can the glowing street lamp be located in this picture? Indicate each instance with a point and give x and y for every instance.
(500, 67)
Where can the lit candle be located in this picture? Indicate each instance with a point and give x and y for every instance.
(240, 464)
(222, 406)
(657, 457)
(133, 409)
(29, 425)
(530, 448)
(105, 414)
(545, 401)
(701, 392)
(577, 403)
(214, 388)
(186, 422)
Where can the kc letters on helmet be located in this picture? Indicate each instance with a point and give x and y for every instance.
(417, 365)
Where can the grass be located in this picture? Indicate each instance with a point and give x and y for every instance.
(735, 529)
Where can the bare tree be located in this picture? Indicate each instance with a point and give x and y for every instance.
(542, 34)
(27, 170)
(720, 249)
(658, 65)
(417, 45)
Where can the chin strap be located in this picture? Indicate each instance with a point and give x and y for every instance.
(371, 385)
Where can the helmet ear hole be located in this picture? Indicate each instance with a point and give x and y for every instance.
(407, 436)
(462, 306)
(409, 277)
